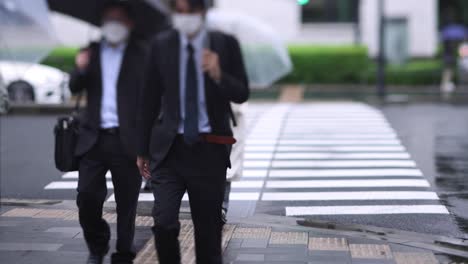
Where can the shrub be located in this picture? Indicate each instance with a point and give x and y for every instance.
(327, 64)
(416, 72)
(320, 65)
(62, 58)
(351, 65)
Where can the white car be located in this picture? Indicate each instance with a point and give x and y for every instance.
(4, 103)
(34, 83)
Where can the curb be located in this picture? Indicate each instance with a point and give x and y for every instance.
(448, 245)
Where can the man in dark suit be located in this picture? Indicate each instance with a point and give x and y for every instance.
(111, 74)
(185, 128)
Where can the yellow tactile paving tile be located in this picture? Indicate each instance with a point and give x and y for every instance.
(370, 251)
(328, 244)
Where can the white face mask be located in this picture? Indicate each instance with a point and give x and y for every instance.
(187, 24)
(115, 32)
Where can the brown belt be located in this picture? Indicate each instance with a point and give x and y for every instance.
(214, 139)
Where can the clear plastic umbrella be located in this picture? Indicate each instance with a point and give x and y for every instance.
(26, 33)
(265, 55)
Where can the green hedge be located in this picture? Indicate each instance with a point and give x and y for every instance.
(351, 65)
(321, 65)
(327, 64)
(416, 72)
(62, 58)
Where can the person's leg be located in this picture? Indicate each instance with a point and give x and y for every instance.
(225, 207)
(92, 193)
(127, 184)
(227, 192)
(168, 190)
(206, 181)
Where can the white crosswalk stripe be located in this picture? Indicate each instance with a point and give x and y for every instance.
(339, 156)
(345, 183)
(373, 173)
(322, 159)
(366, 210)
(347, 196)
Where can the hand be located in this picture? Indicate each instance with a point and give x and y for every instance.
(82, 59)
(143, 166)
(211, 64)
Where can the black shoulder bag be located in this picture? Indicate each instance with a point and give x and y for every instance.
(66, 137)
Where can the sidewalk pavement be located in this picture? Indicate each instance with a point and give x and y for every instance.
(51, 234)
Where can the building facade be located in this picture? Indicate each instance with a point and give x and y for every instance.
(341, 22)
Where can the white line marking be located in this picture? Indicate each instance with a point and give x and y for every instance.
(69, 185)
(337, 164)
(334, 120)
(328, 136)
(348, 196)
(259, 148)
(366, 210)
(346, 173)
(333, 156)
(257, 164)
(338, 126)
(254, 173)
(70, 175)
(64, 185)
(256, 156)
(254, 142)
(325, 142)
(247, 184)
(329, 148)
(337, 142)
(347, 130)
(234, 196)
(74, 175)
(347, 184)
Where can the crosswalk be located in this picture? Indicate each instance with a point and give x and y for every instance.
(336, 159)
(339, 158)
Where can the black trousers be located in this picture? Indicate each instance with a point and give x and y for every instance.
(199, 170)
(108, 154)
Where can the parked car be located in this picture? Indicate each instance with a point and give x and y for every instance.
(4, 103)
(34, 83)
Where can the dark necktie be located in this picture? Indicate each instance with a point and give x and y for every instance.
(191, 133)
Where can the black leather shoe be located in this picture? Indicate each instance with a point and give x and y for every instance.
(95, 259)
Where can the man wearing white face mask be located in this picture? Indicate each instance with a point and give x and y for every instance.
(111, 74)
(184, 128)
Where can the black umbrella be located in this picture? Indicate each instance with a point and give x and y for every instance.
(148, 18)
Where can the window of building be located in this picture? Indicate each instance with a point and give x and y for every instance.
(331, 11)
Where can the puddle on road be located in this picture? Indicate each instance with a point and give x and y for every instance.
(451, 158)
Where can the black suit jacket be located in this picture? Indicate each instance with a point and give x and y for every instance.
(130, 83)
(159, 116)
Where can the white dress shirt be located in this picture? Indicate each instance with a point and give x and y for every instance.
(198, 44)
(111, 62)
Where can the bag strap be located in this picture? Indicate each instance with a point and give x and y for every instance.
(77, 107)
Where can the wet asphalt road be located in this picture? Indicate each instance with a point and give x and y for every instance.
(436, 136)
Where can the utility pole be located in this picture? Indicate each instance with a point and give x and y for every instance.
(381, 61)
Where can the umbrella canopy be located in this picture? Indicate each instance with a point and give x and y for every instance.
(454, 32)
(265, 55)
(26, 33)
(149, 19)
